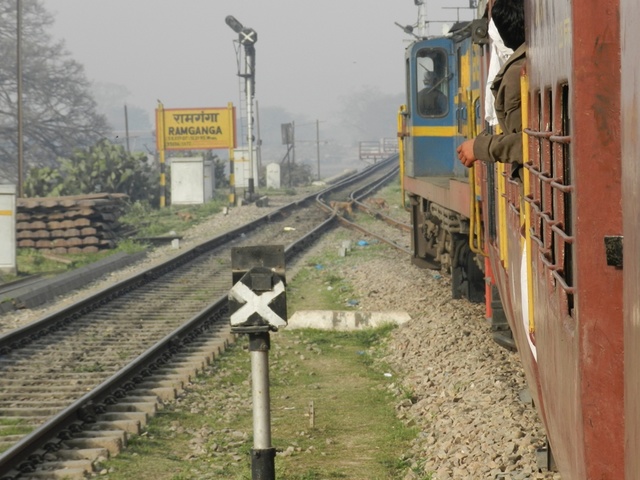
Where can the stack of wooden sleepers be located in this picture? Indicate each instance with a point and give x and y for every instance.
(73, 224)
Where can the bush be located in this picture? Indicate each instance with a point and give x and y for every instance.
(105, 167)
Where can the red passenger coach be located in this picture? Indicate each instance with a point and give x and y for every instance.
(556, 249)
(630, 19)
(559, 276)
(550, 245)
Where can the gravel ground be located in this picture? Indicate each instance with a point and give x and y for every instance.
(465, 388)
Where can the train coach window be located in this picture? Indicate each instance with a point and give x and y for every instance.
(432, 83)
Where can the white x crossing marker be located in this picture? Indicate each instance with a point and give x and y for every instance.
(254, 303)
(248, 35)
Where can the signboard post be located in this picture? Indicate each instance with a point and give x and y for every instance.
(194, 129)
(258, 305)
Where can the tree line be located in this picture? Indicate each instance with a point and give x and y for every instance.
(65, 151)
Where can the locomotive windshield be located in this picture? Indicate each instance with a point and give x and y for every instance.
(432, 82)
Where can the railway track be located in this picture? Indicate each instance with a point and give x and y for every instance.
(78, 382)
(382, 224)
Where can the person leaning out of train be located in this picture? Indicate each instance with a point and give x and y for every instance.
(505, 147)
(500, 53)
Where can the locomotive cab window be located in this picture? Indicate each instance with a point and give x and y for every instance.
(432, 83)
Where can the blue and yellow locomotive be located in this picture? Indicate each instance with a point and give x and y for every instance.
(443, 109)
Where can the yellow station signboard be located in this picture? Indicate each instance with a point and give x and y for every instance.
(195, 128)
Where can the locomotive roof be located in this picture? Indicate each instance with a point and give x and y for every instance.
(460, 30)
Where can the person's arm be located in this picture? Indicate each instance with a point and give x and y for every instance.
(507, 146)
(465, 153)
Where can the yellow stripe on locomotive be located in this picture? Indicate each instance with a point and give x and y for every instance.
(443, 109)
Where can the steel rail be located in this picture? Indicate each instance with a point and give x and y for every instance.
(23, 457)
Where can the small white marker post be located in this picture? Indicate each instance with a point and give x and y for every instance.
(258, 305)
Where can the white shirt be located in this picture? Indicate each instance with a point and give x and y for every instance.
(499, 55)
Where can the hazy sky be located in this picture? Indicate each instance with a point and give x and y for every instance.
(308, 54)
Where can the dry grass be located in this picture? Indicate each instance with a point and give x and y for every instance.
(356, 434)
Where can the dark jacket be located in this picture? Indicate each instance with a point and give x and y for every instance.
(505, 147)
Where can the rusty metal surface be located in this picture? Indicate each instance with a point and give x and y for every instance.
(574, 58)
(548, 42)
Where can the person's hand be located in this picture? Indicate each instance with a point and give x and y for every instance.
(465, 153)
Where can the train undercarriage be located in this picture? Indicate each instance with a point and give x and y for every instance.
(441, 242)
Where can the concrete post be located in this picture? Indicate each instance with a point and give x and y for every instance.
(8, 229)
